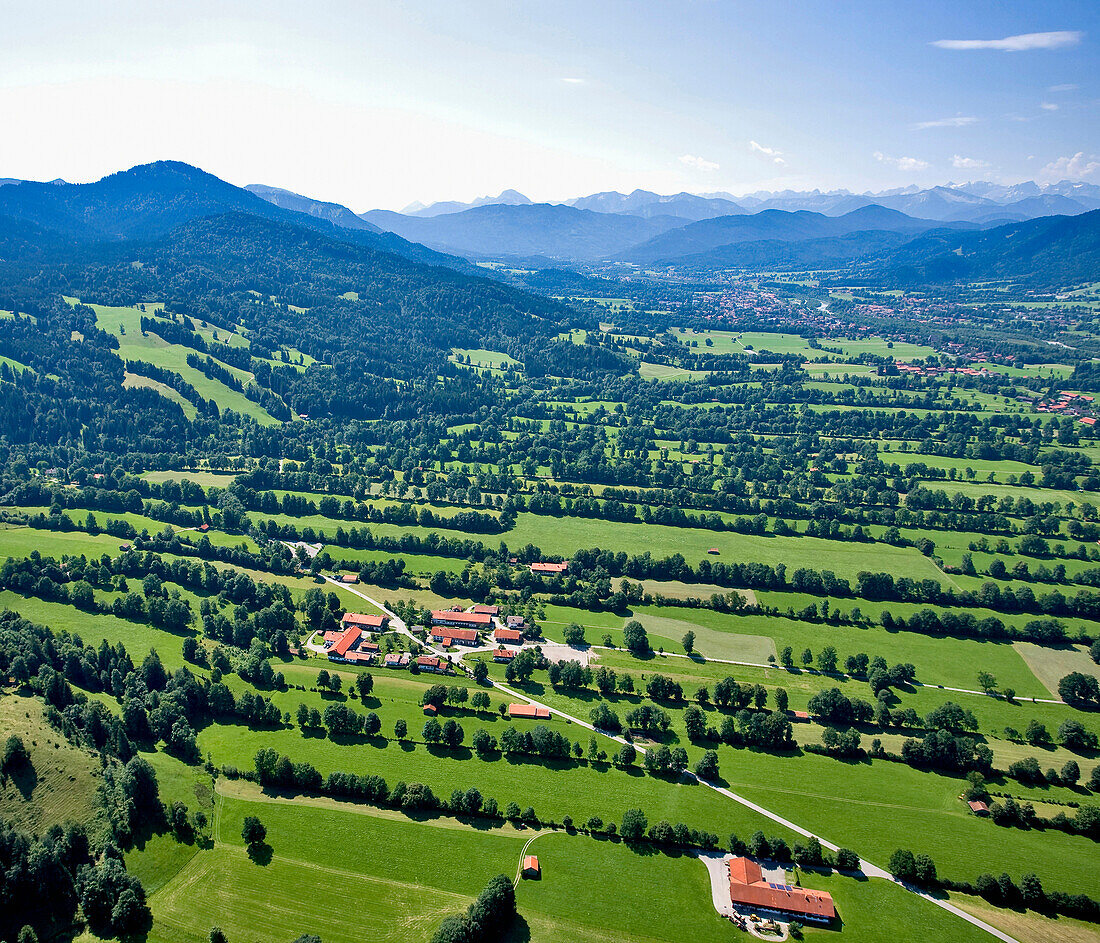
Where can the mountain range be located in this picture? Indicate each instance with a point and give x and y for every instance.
(150, 200)
(146, 202)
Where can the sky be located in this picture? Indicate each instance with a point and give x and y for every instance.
(378, 104)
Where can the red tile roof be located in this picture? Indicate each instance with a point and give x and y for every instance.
(748, 887)
(450, 617)
(489, 610)
(349, 638)
(531, 863)
(363, 620)
(462, 635)
(549, 567)
(528, 711)
(508, 635)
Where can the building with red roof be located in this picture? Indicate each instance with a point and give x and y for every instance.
(504, 654)
(446, 635)
(339, 650)
(531, 867)
(528, 711)
(549, 569)
(463, 620)
(514, 636)
(349, 578)
(978, 807)
(749, 889)
(429, 663)
(365, 621)
(488, 610)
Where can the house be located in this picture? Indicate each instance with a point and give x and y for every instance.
(528, 711)
(204, 527)
(1088, 421)
(332, 636)
(429, 663)
(978, 807)
(513, 636)
(364, 621)
(549, 569)
(461, 636)
(393, 660)
(349, 578)
(504, 654)
(515, 622)
(749, 889)
(370, 647)
(531, 867)
(487, 610)
(462, 620)
(340, 649)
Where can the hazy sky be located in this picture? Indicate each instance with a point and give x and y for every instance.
(381, 103)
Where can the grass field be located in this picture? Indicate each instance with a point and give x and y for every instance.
(1050, 665)
(125, 324)
(62, 782)
(405, 875)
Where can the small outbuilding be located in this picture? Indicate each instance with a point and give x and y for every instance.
(531, 867)
(978, 807)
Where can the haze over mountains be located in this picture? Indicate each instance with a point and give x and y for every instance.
(874, 240)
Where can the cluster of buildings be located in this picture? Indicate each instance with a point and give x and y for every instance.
(472, 627)
(916, 370)
(352, 643)
(1069, 404)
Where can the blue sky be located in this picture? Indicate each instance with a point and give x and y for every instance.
(381, 103)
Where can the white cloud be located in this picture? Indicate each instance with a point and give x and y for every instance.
(698, 163)
(1048, 106)
(908, 164)
(571, 80)
(1053, 40)
(1076, 167)
(776, 156)
(967, 163)
(1064, 88)
(960, 121)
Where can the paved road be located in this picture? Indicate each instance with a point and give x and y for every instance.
(868, 868)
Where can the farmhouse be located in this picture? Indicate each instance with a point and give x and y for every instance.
(447, 635)
(396, 660)
(513, 636)
(549, 569)
(504, 654)
(528, 711)
(531, 867)
(429, 663)
(515, 622)
(339, 650)
(748, 888)
(462, 620)
(363, 621)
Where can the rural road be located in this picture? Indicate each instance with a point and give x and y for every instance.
(868, 868)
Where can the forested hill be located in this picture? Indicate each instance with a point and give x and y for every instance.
(149, 200)
(1053, 250)
(260, 316)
